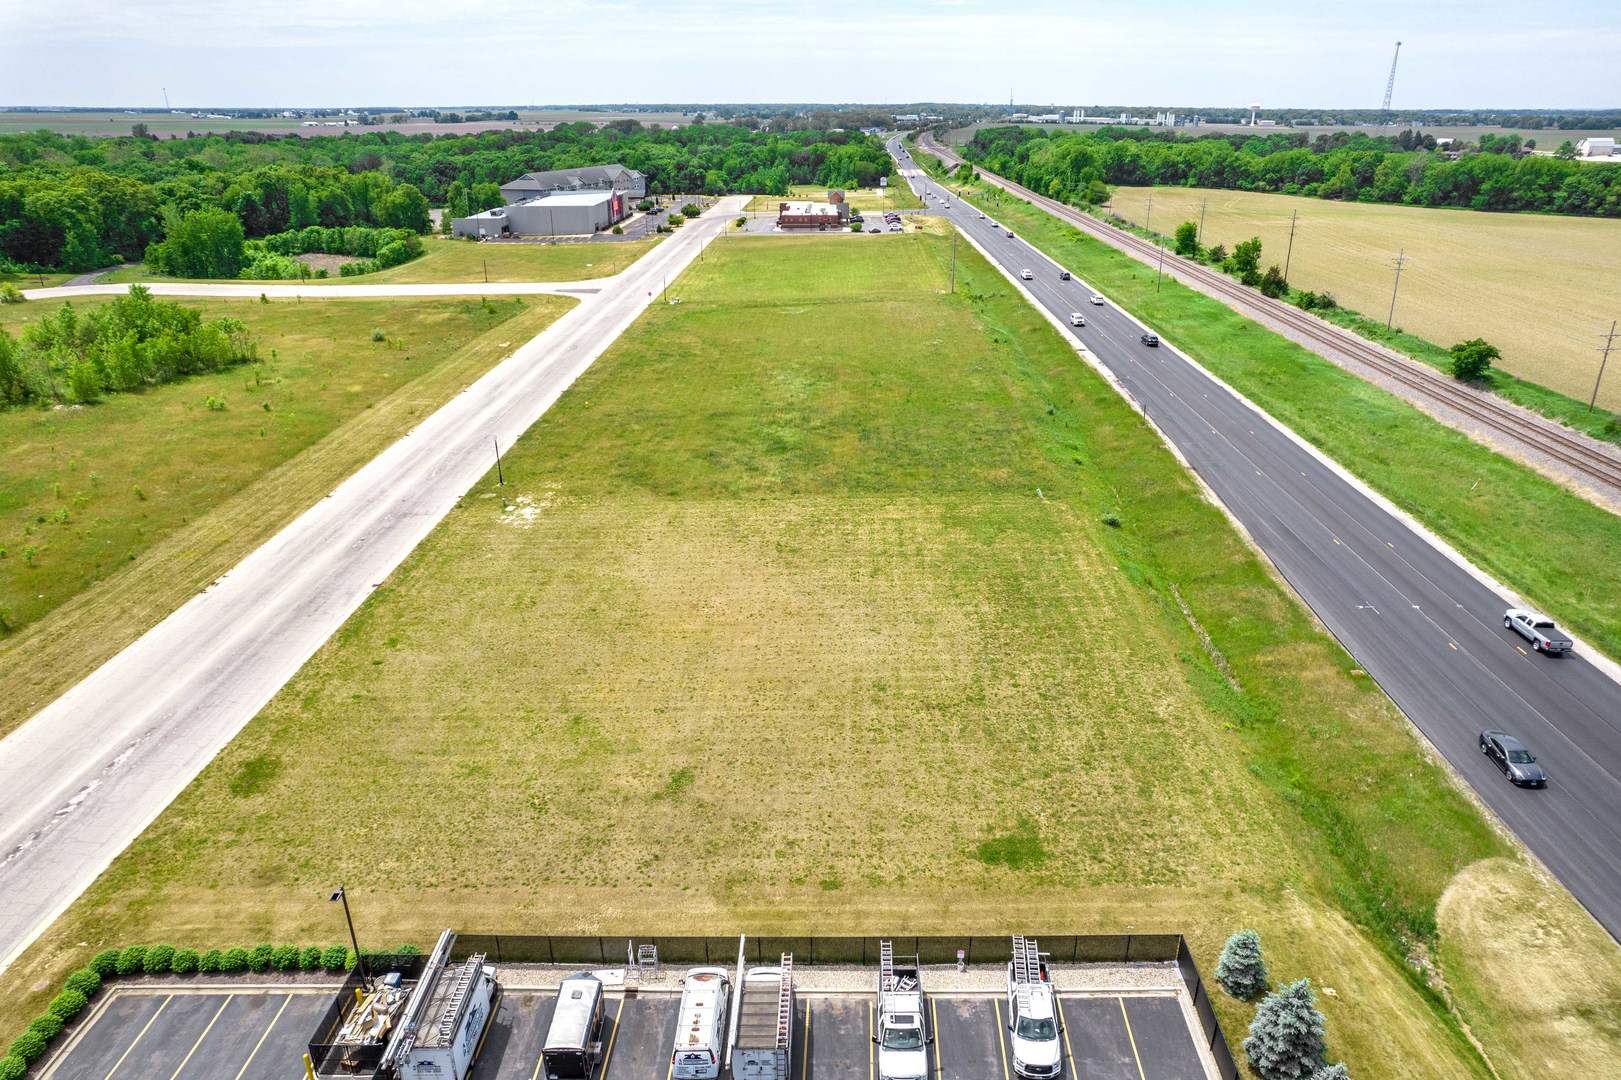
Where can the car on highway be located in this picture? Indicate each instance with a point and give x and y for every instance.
(1096, 299)
(1510, 755)
(1026, 275)
(1009, 233)
(1063, 275)
(1077, 319)
(1538, 629)
(1151, 340)
(982, 216)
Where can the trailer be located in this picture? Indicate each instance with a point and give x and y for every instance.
(762, 1042)
(903, 1033)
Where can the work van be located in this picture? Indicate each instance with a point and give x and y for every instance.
(700, 1031)
(574, 1041)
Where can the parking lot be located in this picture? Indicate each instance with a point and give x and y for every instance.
(260, 1034)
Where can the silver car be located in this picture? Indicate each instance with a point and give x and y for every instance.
(1510, 755)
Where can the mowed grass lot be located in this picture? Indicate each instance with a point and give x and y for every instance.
(898, 196)
(112, 514)
(446, 261)
(799, 612)
(1540, 287)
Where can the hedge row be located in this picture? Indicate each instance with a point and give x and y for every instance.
(79, 987)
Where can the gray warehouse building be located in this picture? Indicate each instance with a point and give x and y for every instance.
(563, 202)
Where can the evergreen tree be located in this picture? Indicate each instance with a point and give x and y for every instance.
(1286, 1036)
(1331, 1072)
(1240, 968)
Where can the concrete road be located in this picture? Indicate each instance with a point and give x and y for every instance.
(81, 779)
(1426, 625)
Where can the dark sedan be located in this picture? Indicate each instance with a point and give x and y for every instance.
(1151, 340)
(1510, 755)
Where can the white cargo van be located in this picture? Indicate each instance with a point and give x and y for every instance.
(573, 1044)
(700, 1030)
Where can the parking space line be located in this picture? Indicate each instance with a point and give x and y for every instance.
(131, 1048)
(934, 1014)
(243, 1071)
(614, 1034)
(1001, 1036)
(804, 1057)
(175, 1075)
(872, 1047)
(1132, 1037)
(1063, 1025)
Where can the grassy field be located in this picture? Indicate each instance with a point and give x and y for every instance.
(452, 261)
(36, 281)
(897, 197)
(1498, 513)
(1539, 287)
(786, 632)
(112, 515)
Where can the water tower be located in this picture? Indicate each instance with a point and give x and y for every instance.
(1255, 108)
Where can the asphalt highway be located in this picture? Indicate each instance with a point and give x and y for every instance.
(1422, 623)
(83, 777)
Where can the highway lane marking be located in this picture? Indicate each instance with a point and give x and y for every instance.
(263, 1037)
(1337, 540)
(1388, 544)
(1522, 650)
(131, 1049)
(201, 1037)
(1454, 647)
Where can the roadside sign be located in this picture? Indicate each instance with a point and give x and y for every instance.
(883, 181)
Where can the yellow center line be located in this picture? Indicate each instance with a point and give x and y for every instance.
(612, 1035)
(201, 1037)
(1453, 647)
(263, 1037)
(138, 1038)
(934, 1015)
(804, 1055)
(872, 1047)
(1133, 1038)
(1001, 1036)
(1522, 650)
(1337, 540)
(1063, 1025)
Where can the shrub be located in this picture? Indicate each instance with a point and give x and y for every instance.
(378, 335)
(12, 1067)
(185, 961)
(104, 963)
(48, 1026)
(211, 961)
(1612, 427)
(310, 958)
(233, 961)
(1217, 255)
(334, 958)
(67, 1005)
(618, 230)
(1473, 358)
(285, 958)
(1286, 1037)
(1111, 519)
(214, 404)
(1331, 1072)
(10, 294)
(1273, 283)
(30, 1046)
(741, 222)
(85, 981)
(131, 959)
(690, 210)
(158, 958)
(1240, 969)
(259, 957)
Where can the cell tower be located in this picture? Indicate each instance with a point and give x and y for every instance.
(1390, 85)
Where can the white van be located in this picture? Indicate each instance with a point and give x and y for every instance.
(700, 1031)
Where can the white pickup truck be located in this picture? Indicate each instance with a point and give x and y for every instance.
(1538, 629)
(1033, 1019)
(903, 1021)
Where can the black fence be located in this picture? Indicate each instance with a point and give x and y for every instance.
(332, 1058)
(1226, 1067)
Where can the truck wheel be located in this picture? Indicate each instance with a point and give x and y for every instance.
(1508, 624)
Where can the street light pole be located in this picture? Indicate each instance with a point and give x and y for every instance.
(360, 960)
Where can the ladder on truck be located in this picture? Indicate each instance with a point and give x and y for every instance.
(886, 966)
(458, 993)
(1026, 966)
(785, 1002)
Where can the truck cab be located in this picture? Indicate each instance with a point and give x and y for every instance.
(1033, 1022)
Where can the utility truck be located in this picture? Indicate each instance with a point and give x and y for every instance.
(903, 1026)
(762, 1043)
(1032, 1005)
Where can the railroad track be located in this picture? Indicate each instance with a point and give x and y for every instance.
(1576, 452)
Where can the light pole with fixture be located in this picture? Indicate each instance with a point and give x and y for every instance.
(360, 961)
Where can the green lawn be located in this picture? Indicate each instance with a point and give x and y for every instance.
(898, 196)
(786, 620)
(36, 281)
(147, 495)
(1498, 513)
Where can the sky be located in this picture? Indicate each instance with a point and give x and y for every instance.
(288, 53)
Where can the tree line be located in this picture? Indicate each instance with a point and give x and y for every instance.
(1496, 174)
(81, 202)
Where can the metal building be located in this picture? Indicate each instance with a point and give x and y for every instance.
(560, 214)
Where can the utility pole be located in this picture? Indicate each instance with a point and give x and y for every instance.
(1293, 215)
(1200, 238)
(1604, 358)
(1401, 260)
(1149, 223)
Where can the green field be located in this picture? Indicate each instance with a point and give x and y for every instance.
(774, 629)
(1538, 286)
(112, 514)
(446, 261)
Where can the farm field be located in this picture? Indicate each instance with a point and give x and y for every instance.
(112, 514)
(1539, 287)
(1546, 138)
(450, 261)
(772, 630)
(897, 197)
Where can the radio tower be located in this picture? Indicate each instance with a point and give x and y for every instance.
(1390, 86)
